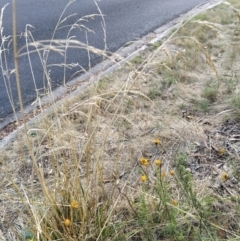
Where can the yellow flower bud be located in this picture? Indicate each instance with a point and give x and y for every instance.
(144, 161)
(158, 162)
(67, 222)
(172, 173)
(222, 151)
(224, 176)
(163, 174)
(74, 204)
(143, 178)
(156, 141)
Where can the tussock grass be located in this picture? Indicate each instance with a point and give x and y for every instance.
(150, 152)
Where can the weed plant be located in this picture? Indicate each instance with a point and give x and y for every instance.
(119, 162)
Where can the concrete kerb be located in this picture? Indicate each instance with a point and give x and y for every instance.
(104, 68)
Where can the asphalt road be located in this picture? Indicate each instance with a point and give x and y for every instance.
(126, 20)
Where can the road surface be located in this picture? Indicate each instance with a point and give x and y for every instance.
(125, 20)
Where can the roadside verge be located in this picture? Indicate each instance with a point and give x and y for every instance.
(149, 151)
(9, 128)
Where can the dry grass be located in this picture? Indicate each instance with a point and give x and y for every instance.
(85, 179)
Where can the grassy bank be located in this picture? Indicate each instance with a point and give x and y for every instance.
(150, 152)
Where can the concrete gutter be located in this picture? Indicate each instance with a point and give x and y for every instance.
(104, 68)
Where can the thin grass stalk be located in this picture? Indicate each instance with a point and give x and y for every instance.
(39, 174)
(3, 61)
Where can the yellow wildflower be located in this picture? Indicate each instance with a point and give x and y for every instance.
(163, 174)
(224, 176)
(74, 204)
(174, 202)
(67, 222)
(144, 161)
(156, 141)
(222, 151)
(158, 162)
(143, 178)
(172, 173)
